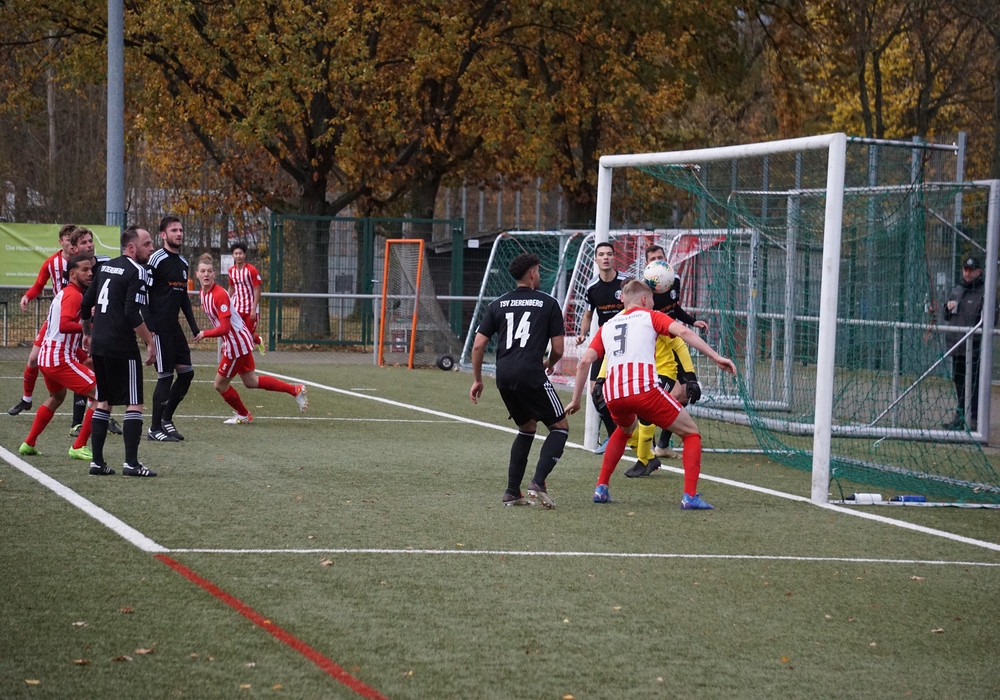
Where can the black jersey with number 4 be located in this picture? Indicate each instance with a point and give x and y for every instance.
(523, 320)
(116, 295)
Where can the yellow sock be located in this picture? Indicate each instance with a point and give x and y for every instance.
(644, 446)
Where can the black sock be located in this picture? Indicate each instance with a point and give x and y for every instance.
(79, 408)
(161, 394)
(552, 450)
(132, 435)
(664, 440)
(177, 393)
(518, 461)
(99, 434)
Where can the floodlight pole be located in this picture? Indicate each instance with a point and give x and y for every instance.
(114, 206)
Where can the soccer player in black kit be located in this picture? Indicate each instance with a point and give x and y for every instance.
(525, 321)
(115, 299)
(604, 295)
(168, 294)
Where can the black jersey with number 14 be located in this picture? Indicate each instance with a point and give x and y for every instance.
(523, 320)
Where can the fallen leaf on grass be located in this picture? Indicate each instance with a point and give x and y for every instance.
(918, 578)
(616, 607)
(244, 686)
(872, 644)
(32, 681)
(123, 657)
(250, 664)
(80, 623)
(784, 659)
(326, 562)
(81, 662)
(143, 652)
(126, 609)
(567, 696)
(939, 630)
(277, 686)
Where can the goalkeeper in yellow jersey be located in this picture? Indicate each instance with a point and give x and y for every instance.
(676, 371)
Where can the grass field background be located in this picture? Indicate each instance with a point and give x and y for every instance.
(370, 532)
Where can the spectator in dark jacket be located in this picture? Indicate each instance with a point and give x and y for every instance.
(965, 308)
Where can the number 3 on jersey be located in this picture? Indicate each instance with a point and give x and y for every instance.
(523, 331)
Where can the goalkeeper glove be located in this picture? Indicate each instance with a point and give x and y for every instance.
(693, 391)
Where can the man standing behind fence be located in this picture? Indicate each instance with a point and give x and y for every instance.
(965, 308)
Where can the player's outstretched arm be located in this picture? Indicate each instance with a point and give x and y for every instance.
(694, 340)
(588, 358)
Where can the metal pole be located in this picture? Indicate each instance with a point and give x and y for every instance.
(114, 207)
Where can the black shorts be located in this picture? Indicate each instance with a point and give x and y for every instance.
(172, 349)
(119, 380)
(541, 404)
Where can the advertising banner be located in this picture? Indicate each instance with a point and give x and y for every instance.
(26, 246)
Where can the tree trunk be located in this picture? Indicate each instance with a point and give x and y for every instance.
(314, 248)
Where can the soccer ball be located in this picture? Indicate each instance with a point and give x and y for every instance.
(659, 276)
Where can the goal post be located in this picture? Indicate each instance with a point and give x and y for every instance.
(837, 249)
(412, 327)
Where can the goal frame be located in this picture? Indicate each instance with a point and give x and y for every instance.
(836, 147)
(389, 243)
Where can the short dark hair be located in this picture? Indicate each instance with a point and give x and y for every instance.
(78, 233)
(76, 260)
(129, 235)
(66, 230)
(604, 244)
(238, 244)
(652, 249)
(520, 265)
(166, 221)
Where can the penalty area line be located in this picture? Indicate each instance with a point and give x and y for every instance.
(707, 477)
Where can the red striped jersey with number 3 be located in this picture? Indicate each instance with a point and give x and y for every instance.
(628, 342)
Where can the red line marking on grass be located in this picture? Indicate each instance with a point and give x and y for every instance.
(328, 666)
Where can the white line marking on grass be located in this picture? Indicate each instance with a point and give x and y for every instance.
(102, 516)
(728, 482)
(606, 555)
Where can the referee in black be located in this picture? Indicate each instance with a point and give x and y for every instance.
(525, 322)
(168, 294)
(112, 317)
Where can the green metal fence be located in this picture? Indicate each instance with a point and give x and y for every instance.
(321, 272)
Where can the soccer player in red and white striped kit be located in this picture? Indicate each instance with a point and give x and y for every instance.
(244, 290)
(61, 358)
(237, 348)
(632, 389)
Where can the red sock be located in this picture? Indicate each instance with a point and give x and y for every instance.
(692, 463)
(232, 397)
(613, 452)
(42, 417)
(272, 384)
(30, 376)
(84, 435)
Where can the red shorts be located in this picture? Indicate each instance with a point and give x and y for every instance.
(241, 365)
(73, 376)
(657, 407)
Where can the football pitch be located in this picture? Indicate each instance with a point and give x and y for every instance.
(361, 550)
